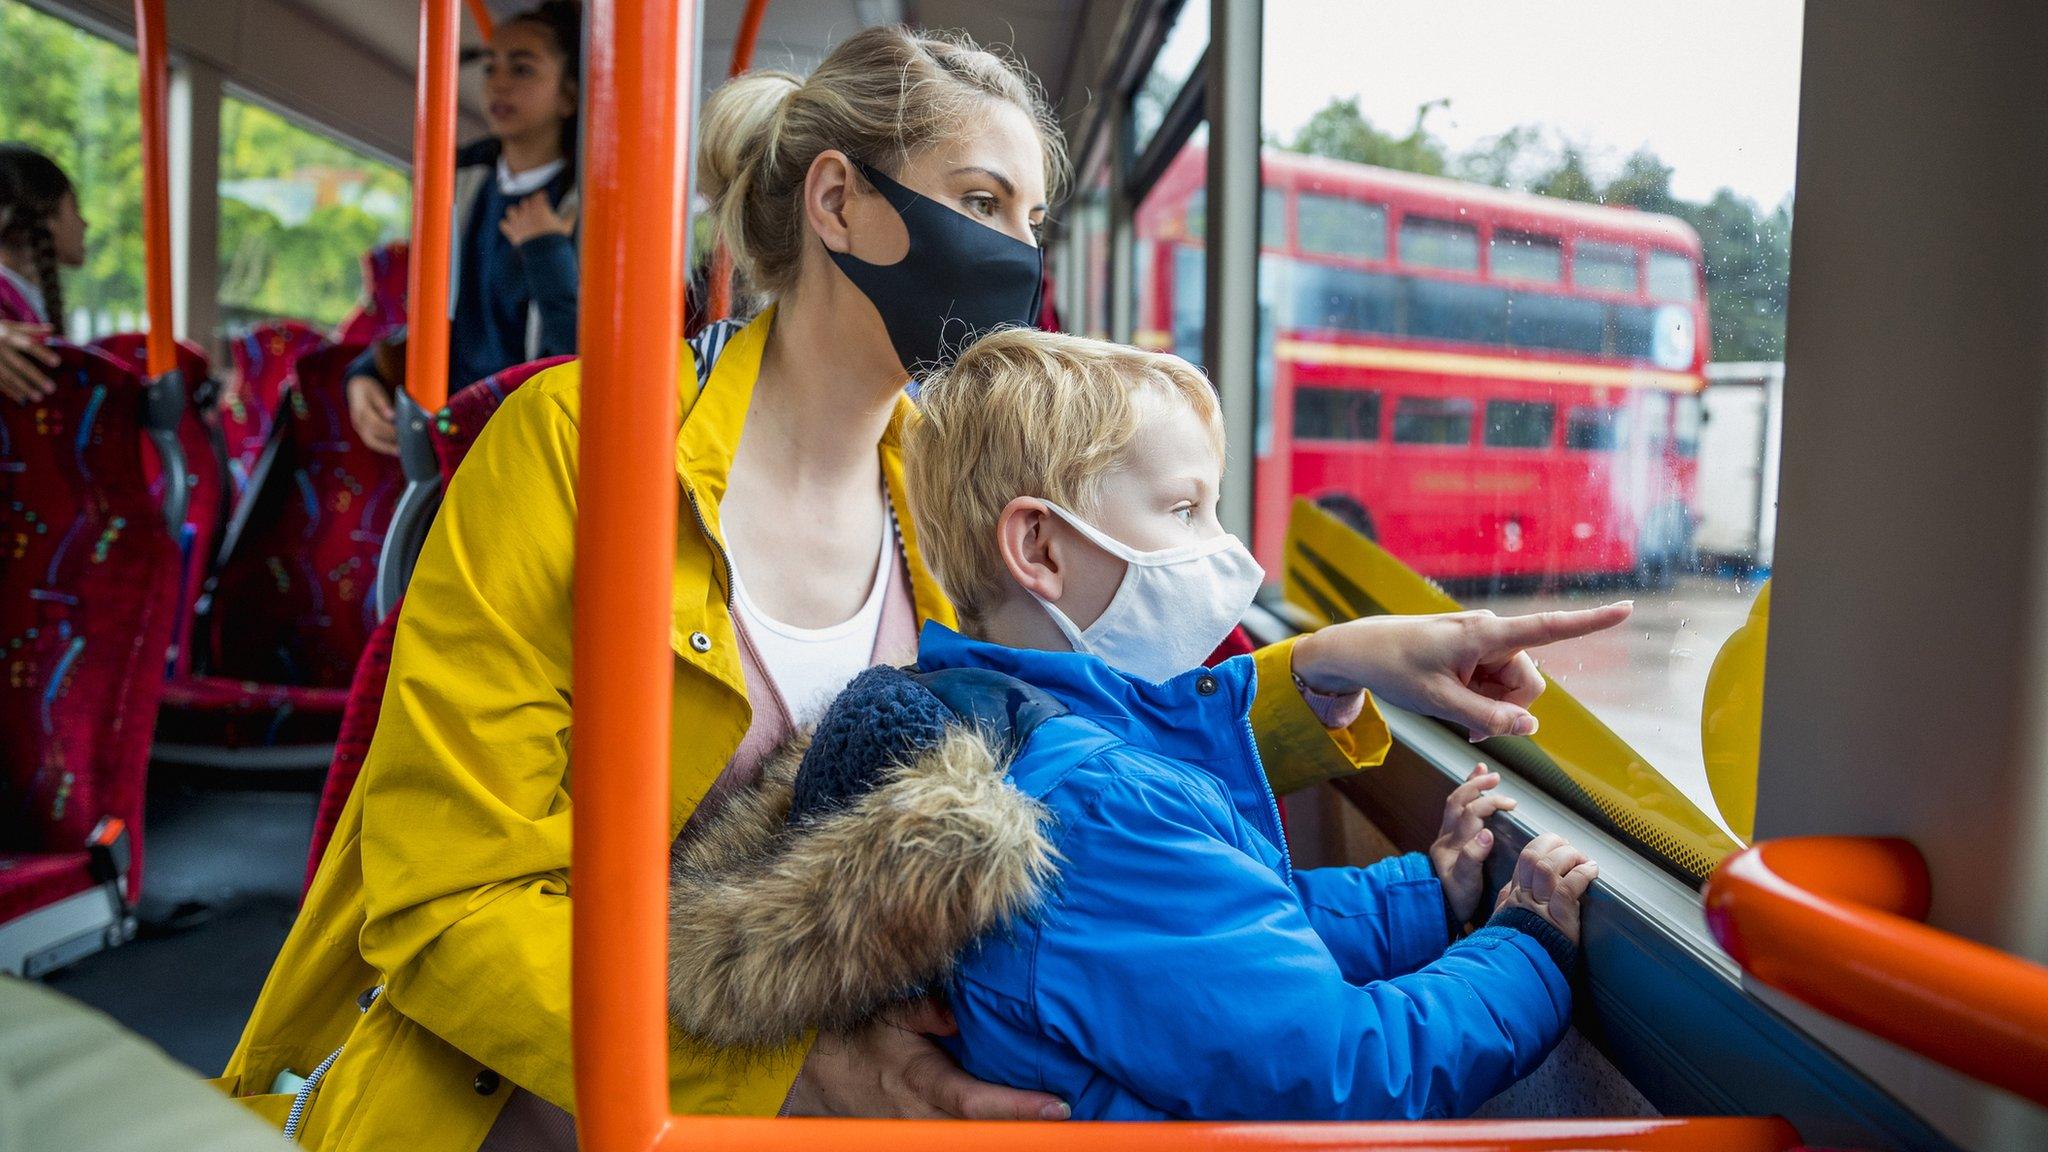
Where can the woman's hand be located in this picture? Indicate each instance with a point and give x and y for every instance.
(533, 217)
(1470, 668)
(22, 360)
(891, 1068)
(1461, 846)
(369, 409)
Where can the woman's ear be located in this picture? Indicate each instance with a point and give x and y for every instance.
(1025, 538)
(827, 188)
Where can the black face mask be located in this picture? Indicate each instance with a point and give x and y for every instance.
(958, 280)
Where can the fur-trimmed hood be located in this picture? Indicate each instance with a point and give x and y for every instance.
(777, 928)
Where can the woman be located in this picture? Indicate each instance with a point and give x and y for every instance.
(887, 206)
(514, 248)
(41, 233)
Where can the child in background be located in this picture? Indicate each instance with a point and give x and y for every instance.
(1078, 843)
(41, 232)
(514, 246)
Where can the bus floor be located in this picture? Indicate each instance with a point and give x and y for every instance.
(224, 866)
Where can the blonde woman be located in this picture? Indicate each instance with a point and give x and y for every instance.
(887, 208)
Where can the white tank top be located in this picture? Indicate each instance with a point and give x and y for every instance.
(810, 665)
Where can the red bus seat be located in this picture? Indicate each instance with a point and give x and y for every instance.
(263, 359)
(384, 286)
(208, 490)
(454, 429)
(291, 600)
(88, 604)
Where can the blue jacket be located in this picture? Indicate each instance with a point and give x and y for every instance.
(1180, 967)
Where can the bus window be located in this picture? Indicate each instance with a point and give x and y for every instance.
(1171, 69)
(1558, 323)
(1433, 420)
(1272, 216)
(71, 95)
(1615, 235)
(1523, 256)
(1445, 244)
(1519, 424)
(297, 211)
(1607, 267)
(1451, 310)
(1673, 277)
(1336, 414)
(1343, 299)
(1332, 226)
(1595, 429)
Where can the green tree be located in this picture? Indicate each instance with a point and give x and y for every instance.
(1340, 130)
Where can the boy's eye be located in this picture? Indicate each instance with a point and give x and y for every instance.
(1186, 513)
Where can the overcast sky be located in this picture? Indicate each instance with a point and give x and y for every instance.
(1711, 86)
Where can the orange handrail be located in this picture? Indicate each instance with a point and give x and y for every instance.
(481, 15)
(718, 286)
(433, 190)
(1833, 922)
(156, 185)
(637, 101)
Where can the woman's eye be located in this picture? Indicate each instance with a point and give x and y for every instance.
(982, 205)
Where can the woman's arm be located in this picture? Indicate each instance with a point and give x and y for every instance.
(466, 808)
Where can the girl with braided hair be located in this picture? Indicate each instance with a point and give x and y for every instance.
(41, 232)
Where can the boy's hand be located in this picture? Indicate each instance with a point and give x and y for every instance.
(1470, 668)
(1550, 879)
(23, 359)
(1461, 846)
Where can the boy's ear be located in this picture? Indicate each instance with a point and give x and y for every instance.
(1031, 555)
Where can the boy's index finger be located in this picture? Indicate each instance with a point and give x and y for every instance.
(1540, 628)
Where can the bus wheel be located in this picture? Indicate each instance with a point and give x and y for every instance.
(1351, 512)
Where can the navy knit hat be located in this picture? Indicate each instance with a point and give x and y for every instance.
(882, 719)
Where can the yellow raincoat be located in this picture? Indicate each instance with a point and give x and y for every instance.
(447, 881)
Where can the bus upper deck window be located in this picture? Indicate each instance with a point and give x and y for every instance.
(1433, 420)
(1673, 277)
(1608, 267)
(1333, 226)
(1446, 244)
(1524, 256)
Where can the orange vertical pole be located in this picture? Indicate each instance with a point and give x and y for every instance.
(637, 103)
(718, 294)
(481, 15)
(156, 184)
(433, 193)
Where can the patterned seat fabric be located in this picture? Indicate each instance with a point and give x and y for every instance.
(293, 603)
(384, 287)
(209, 497)
(88, 602)
(455, 430)
(263, 359)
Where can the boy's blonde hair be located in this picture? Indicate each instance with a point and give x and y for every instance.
(1026, 413)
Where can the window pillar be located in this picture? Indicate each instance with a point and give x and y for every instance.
(195, 200)
(1230, 341)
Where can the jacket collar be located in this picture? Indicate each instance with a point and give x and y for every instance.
(1175, 719)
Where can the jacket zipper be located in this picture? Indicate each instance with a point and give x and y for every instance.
(1265, 789)
(717, 547)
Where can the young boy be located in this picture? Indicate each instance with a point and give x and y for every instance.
(1099, 878)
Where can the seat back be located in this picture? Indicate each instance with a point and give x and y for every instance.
(452, 432)
(292, 598)
(88, 602)
(208, 494)
(385, 268)
(263, 359)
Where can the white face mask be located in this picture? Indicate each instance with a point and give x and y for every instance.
(1172, 609)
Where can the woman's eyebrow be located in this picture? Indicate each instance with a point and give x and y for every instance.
(1009, 189)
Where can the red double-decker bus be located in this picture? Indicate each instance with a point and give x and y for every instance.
(1491, 384)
